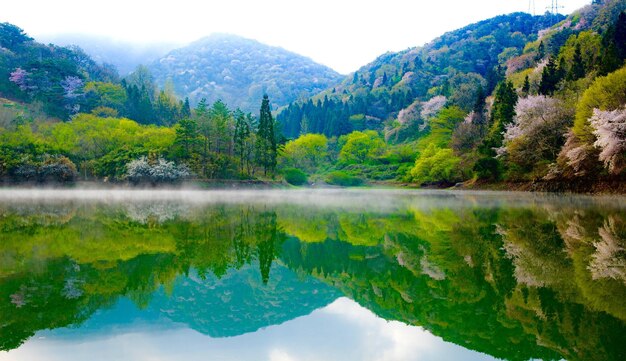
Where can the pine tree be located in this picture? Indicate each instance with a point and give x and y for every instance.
(186, 139)
(185, 111)
(266, 139)
(541, 52)
(550, 77)
(241, 136)
(502, 113)
(577, 70)
(526, 86)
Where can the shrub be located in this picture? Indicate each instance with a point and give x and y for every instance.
(436, 165)
(343, 179)
(141, 171)
(59, 169)
(488, 168)
(53, 169)
(295, 176)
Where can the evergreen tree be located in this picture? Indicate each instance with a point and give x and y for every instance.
(241, 136)
(614, 46)
(186, 139)
(479, 105)
(185, 110)
(541, 52)
(577, 70)
(526, 86)
(266, 139)
(550, 77)
(502, 113)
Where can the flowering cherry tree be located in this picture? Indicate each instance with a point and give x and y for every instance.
(610, 131)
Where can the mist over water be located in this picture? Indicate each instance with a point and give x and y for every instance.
(368, 199)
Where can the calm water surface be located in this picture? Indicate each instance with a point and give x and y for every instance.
(311, 275)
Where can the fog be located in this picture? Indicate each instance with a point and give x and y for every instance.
(372, 200)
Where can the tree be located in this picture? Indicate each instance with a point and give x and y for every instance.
(241, 136)
(266, 138)
(534, 138)
(308, 152)
(502, 113)
(550, 77)
(526, 86)
(361, 147)
(222, 123)
(11, 36)
(185, 109)
(541, 52)
(186, 139)
(610, 131)
(436, 165)
(577, 69)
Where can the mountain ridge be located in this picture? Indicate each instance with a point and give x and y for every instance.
(238, 71)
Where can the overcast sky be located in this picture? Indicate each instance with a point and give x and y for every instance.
(342, 34)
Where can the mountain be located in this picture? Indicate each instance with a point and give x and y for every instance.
(50, 75)
(452, 65)
(124, 55)
(239, 71)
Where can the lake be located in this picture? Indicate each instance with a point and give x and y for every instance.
(311, 275)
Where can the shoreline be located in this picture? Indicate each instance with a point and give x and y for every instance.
(598, 188)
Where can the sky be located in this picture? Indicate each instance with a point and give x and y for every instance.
(342, 34)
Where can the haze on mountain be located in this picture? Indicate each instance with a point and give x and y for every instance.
(240, 71)
(123, 54)
(341, 34)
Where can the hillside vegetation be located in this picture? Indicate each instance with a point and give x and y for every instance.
(533, 100)
(240, 71)
(511, 99)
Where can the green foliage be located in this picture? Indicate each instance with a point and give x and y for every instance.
(436, 166)
(308, 152)
(606, 93)
(361, 147)
(488, 168)
(502, 113)
(341, 178)
(452, 65)
(295, 176)
(266, 138)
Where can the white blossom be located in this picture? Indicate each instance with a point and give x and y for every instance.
(610, 131)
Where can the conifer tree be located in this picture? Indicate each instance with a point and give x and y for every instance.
(577, 70)
(241, 136)
(541, 52)
(551, 76)
(266, 138)
(526, 86)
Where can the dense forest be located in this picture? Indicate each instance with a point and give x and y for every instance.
(523, 99)
(537, 100)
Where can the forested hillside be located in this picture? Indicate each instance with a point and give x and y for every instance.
(500, 100)
(535, 102)
(454, 65)
(240, 71)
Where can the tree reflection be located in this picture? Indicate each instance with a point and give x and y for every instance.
(534, 281)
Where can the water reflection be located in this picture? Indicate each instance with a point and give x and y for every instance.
(511, 276)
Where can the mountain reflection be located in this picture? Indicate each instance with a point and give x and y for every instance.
(544, 278)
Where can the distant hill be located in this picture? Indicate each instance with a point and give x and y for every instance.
(125, 55)
(51, 75)
(452, 65)
(239, 71)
